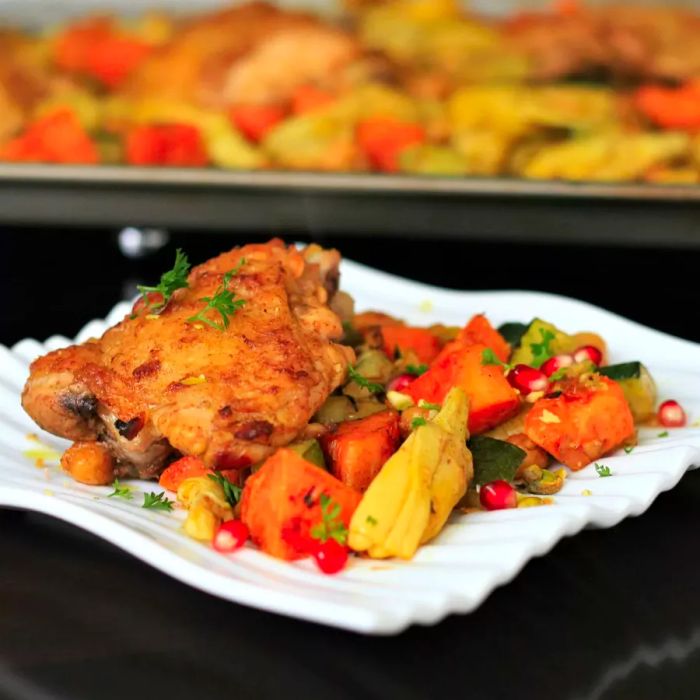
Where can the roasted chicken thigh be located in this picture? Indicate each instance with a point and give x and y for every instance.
(158, 385)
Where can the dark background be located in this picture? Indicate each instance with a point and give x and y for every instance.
(608, 614)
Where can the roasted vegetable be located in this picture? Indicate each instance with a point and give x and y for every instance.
(512, 332)
(586, 417)
(638, 386)
(335, 409)
(207, 506)
(358, 449)
(479, 331)
(540, 341)
(382, 139)
(413, 495)
(492, 399)
(283, 496)
(184, 468)
(402, 338)
(311, 451)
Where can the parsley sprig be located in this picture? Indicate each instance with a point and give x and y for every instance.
(356, 377)
(417, 422)
(603, 470)
(232, 493)
(170, 281)
(663, 434)
(120, 491)
(224, 302)
(417, 370)
(331, 526)
(541, 352)
(157, 501)
(488, 357)
(628, 449)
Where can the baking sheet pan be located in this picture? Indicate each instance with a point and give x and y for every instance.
(265, 202)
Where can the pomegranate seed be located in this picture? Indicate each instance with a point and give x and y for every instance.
(554, 364)
(401, 382)
(230, 536)
(588, 352)
(497, 495)
(527, 379)
(331, 557)
(671, 414)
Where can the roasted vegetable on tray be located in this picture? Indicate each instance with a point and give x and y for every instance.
(419, 87)
(274, 419)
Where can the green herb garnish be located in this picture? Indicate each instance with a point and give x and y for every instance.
(232, 492)
(170, 281)
(494, 459)
(356, 377)
(488, 357)
(559, 374)
(541, 352)
(157, 501)
(603, 470)
(430, 406)
(120, 491)
(664, 434)
(416, 370)
(223, 302)
(370, 520)
(331, 526)
(417, 422)
(628, 449)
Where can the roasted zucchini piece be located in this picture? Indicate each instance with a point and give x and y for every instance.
(638, 386)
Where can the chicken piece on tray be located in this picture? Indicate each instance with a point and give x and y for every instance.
(253, 53)
(227, 388)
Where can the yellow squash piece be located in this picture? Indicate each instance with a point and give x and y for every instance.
(206, 505)
(411, 498)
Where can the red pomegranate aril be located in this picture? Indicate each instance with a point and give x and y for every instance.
(498, 495)
(230, 536)
(671, 414)
(588, 352)
(331, 556)
(554, 364)
(527, 379)
(401, 382)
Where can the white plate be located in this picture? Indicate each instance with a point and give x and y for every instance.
(454, 574)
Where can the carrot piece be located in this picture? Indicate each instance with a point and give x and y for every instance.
(308, 98)
(254, 121)
(95, 47)
(382, 139)
(420, 340)
(358, 449)
(588, 419)
(166, 144)
(479, 331)
(281, 503)
(57, 137)
(492, 399)
(184, 468)
(671, 108)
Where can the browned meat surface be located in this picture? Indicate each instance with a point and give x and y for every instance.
(156, 386)
(254, 53)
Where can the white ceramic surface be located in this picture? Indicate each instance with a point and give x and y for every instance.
(454, 574)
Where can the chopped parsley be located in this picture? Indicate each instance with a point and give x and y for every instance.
(223, 302)
(603, 470)
(430, 406)
(157, 501)
(331, 526)
(370, 520)
(664, 434)
(628, 449)
(232, 492)
(559, 374)
(488, 357)
(541, 352)
(356, 377)
(170, 281)
(417, 422)
(417, 370)
(120, 491)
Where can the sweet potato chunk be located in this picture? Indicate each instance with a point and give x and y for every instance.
(479, 331)
(585, 421)
(424, 343)
(492, 399)
(357, 450)
(283, 496)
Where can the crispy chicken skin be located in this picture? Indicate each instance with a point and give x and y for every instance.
(155, 387)
(253, 53)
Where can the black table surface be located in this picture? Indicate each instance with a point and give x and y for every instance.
(606, 614)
